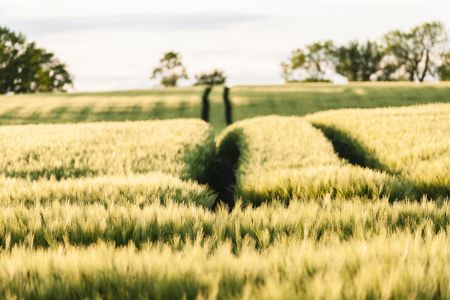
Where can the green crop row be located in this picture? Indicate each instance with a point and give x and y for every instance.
(285, 157)
(406, 266)
(412, 143)
(320, 221)
(182, 148)
(139, 190)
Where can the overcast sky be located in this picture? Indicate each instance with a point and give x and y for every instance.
(112, 45)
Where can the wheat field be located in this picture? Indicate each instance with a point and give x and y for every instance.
(127, 210)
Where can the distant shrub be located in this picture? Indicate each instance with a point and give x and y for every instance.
(215, 77)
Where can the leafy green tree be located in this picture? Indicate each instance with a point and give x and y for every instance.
(25, 68)
(170, 69)
(444, 68)
(215, 77)
(359, 62)
(415, 54)
(315, 60)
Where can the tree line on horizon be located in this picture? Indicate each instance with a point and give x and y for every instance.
(418, 54)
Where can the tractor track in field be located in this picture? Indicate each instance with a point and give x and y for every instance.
(351, 150)
(222, 179)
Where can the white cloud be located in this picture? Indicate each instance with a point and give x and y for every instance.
(143, 22)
